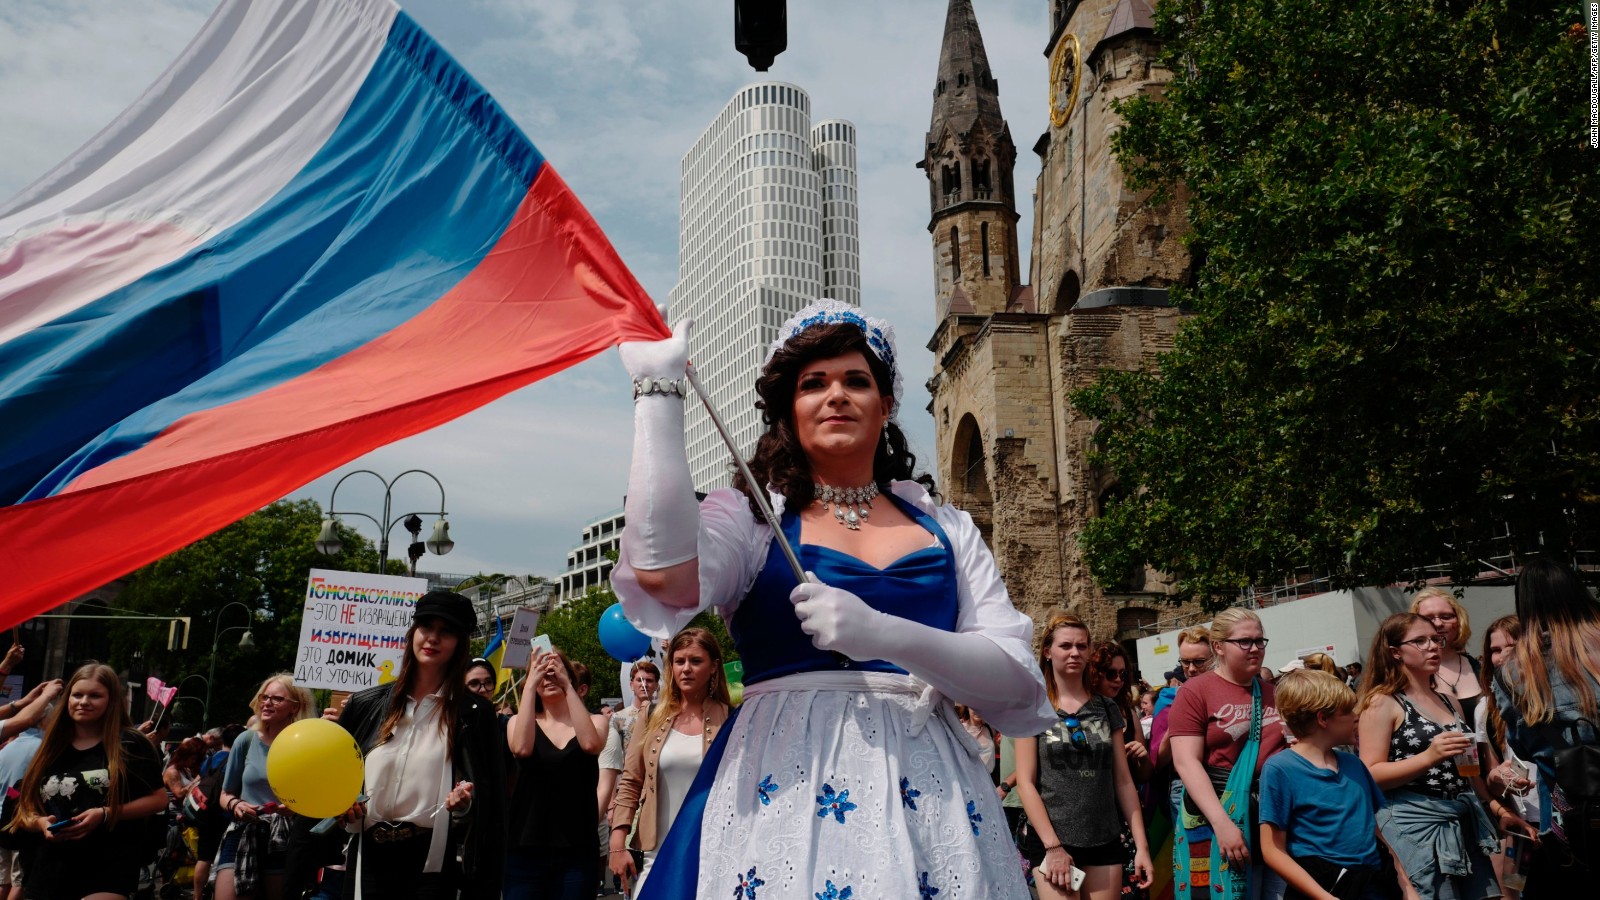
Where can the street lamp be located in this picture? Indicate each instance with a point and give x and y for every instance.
(438, 542)
(203, 709)
(247, 642)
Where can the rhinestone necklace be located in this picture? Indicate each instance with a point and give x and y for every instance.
(850, 505)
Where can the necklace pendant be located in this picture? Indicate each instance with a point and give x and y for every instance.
(852, 521)
(838, 513)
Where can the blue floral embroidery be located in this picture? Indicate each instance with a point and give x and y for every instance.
(836, 803)
(973, 816)
(908, 794)
(765, 790)
(833, 893)
(924, 889)
(746, 888)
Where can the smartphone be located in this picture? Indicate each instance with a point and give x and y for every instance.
(268, 809)
(540, 644)
(1077, 879)
(57, 826)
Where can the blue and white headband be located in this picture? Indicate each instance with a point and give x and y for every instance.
(879, 334)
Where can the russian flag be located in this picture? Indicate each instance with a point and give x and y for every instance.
(314, 235)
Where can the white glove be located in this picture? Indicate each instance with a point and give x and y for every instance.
(663, 515)
(836, 620)
(659, 359)
(966, 667)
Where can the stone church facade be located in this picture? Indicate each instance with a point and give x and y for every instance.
(1012, 449)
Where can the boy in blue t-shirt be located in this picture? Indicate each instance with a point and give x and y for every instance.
(1317, 803)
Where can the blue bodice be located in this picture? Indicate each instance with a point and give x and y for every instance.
(920, 586)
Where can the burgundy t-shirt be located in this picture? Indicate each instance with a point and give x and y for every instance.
(1212, 707)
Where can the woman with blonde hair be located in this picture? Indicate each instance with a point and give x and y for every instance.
(260, 824)
(1459, 671)
(1548, 693)
(664, 756)
(1411, 735)
(92, 781)
(1224, 727)
(1074, 778)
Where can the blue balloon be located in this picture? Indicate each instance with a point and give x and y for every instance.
(624, 642)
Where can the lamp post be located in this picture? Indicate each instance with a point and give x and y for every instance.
(438, 542)
(246, 642)
(204, 709)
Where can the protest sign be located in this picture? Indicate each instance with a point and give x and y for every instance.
(353, 629)
(519, 640)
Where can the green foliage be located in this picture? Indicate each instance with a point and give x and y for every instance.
(261, 561)
(1395, 352)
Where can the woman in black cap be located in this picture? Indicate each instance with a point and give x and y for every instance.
(435, 777)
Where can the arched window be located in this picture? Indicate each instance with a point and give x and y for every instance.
(955, 253)
(983, 239)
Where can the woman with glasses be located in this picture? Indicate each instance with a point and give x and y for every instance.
(1410, 737)
(1224, 727)
(481, 678)
(260, 825)
(1108, 675)
(1074, 778)
(1459, 672)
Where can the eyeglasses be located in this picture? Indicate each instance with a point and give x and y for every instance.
(1114, 674)
(1436, 618)
(480, 683)
(268, 698)
(1194, 663)
(1074, 730)
(1247, 643)
(1423, 643)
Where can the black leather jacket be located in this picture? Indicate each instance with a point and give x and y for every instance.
(479, 757)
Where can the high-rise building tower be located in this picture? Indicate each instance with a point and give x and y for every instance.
(768, 223)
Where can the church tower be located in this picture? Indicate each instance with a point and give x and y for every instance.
(1013, 451)
(969, 157)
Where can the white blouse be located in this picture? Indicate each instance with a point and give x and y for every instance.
(409, 776)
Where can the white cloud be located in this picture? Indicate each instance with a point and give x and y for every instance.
(613, 92)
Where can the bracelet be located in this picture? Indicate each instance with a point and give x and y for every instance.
(646, 386)
(1055, 846)
(623, 850)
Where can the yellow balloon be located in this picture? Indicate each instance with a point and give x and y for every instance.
(315, 768)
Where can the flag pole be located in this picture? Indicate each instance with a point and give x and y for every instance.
(758, 492)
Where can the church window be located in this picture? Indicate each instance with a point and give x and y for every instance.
(980, 174)
(983, 238)
(955, 253)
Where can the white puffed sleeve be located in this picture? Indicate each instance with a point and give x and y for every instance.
(732, 547)
(985, 608)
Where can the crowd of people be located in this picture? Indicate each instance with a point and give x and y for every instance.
(904, 731)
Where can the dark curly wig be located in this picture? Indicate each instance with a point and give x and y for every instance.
(779, 460)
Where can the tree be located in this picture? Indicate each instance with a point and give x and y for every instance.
(1395, 348)
(262, 561)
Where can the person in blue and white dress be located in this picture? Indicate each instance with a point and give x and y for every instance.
(846, 772)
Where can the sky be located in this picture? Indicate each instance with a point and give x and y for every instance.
(613, 92)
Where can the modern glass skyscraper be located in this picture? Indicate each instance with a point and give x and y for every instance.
(768, 223)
